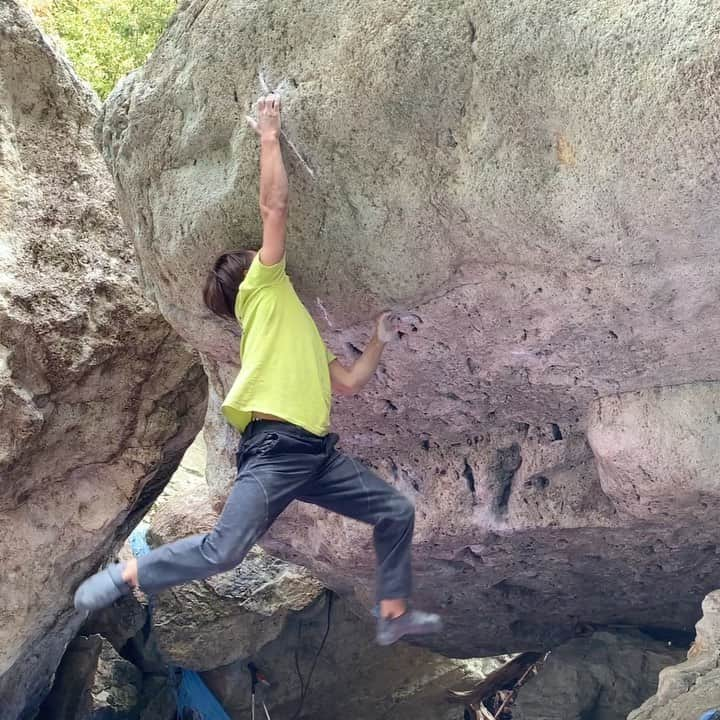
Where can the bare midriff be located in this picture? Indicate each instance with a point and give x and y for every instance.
(266, 416)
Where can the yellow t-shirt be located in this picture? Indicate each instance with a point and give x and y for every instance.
(284, 362)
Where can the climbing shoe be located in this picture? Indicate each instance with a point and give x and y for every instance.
(412, 622)
(101, 589)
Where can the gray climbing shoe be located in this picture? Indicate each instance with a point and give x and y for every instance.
(101, 589)
(413, 622)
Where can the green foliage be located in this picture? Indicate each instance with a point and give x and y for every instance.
(105, 39)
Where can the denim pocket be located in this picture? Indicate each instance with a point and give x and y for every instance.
(259, 445)
(266, 444)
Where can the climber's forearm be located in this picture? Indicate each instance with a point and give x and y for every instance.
(273, 178)
(273, 200)
(348, 381)
(365, 366)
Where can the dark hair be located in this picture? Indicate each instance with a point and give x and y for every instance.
(223, 281)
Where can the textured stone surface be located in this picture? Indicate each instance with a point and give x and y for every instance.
(688, 690)
(601, 677)
(126, 626)
(353, 677)
(118, 623)
(71, 697)
(117, 686)
(87, 686)
(206, 624)
(538, 182)
(650, 479)
(98, 395)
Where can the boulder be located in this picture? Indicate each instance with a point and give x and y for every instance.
(159, 699)
(120, 691)
(93, 682)
(71, 696)
(601, 677)
(537, 182)
(99, 396)
(113, 669)
(126, 625)
(118, 623)
(117, 687)
(352, 676)
(650, 479)
(690, 689)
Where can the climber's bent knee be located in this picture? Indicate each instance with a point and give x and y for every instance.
(403, 510)
(222, 553)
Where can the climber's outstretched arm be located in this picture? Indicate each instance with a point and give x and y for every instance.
(273, 180)
(348, 381)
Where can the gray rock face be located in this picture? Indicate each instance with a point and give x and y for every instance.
(649, 479)
(596, 678)
(537, 181)
(118, 623)
(688, 690)
(98, 395)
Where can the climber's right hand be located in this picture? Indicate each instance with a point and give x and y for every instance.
(267, 125)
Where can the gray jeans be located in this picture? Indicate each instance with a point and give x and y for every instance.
(278, 463)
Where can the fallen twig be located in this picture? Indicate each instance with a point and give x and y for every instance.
(512, 693)
(504, 678)
(483, 712)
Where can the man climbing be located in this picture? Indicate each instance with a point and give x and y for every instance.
(280, 401)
